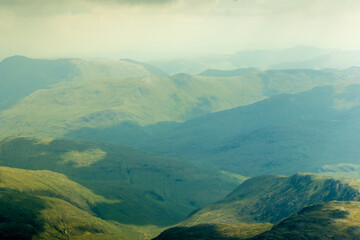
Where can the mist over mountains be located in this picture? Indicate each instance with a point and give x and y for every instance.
(254, 145)
(299, 57)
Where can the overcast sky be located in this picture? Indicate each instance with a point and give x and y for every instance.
(151, 29)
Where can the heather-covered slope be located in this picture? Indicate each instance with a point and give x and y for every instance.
(271, 198)
(287, 202)
(325, 221)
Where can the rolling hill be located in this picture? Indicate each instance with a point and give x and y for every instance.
(101, 99)
(284, 134)
(144, 188)
(20, 76)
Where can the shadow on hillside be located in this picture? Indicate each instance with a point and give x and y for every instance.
(115, 175)
(20, 215)
(311, 223)
(199, 232)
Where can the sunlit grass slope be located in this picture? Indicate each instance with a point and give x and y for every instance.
(47, 205)
(144, 188)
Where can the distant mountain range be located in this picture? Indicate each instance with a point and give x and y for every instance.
(106, 93)
(299, 57)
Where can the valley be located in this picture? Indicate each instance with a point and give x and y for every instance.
(120, 149)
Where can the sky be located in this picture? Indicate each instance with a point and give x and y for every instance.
(165, 29)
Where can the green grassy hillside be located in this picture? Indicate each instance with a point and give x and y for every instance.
(47, 205)
(271, 198)
(144, 188)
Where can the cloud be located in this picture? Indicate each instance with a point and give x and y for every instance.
(172, 27)
(39, 8)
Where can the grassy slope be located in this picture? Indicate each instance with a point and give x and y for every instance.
(146, 188)
(47, 205)
(271, 198)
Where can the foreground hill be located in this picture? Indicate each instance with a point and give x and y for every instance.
(251, 209)
(330, 220)
(217, 231)
(284, 134)
(271, 198)
(47, 205)
(144, 188)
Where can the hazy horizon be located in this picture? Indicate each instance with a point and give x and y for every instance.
(166, 29)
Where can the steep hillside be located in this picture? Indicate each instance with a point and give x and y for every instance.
(214, 232)
(281, 135)
(330, 220)
(144, 188)
(47, 205)
(271, 198)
